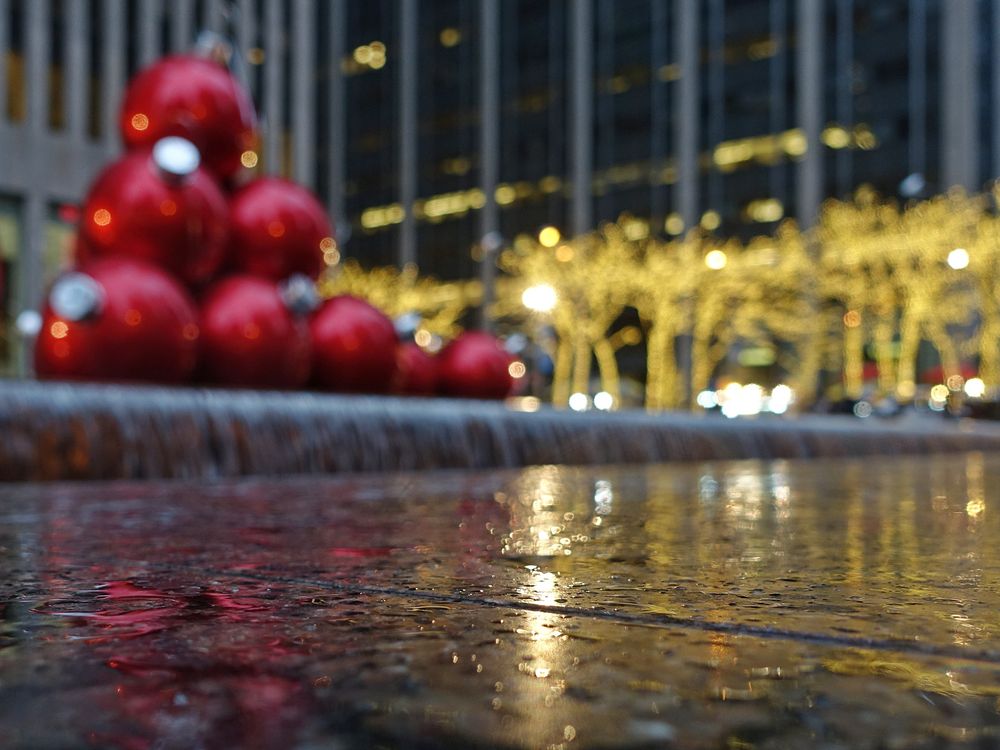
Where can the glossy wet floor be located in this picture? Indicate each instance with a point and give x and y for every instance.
(839, 604)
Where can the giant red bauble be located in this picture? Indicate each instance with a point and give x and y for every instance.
(118, 319)
(416, 371)
(354, 346)
(174, 216)
(250, 338)
(475, 365)
(278, 229)
(195, 98)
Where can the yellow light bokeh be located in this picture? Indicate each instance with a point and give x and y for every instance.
(716, 260)
(549, 236)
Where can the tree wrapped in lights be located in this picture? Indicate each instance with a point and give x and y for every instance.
(396, 292)
(591, 276)
(663, 293)
(855, 267)
(935, 298)
(984, 269)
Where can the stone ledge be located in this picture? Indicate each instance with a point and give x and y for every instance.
(63, 431)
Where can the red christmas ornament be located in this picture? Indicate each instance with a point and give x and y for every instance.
(354, 346)
(278, 229)
(416, 371)
(118, 319)
(475, 365)
(159, 207)
(251, 337)
(194, 98)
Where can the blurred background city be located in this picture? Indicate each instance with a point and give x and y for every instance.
(439, 132)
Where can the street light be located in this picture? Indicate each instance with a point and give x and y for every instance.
(540, 298)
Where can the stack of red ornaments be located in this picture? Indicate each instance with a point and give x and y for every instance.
(186, 272)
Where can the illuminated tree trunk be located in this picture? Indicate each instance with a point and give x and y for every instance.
(989, 351)
(807, 374)
(909, 344)
(562, 371)
(661, 368)
(854, 363)
(581, 364)
(883, 354)
(607, 365)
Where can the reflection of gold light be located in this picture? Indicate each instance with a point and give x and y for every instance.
(716, 260)
(140, 121)
(975, 507)
(674, 224)
(423, 337)
(517, 369)
(248, 159)
(906, 389)
(255, 56)
(975, 388)
(549, 236)
(102, 217)
(539, 298)
(59, 330)
(852, 319)
(939, 392)
(564, 253)
(505, 195)
(836, 137)
(958, 258)
(955, 382)
(363, 54)
(450, 37)
(710, 220)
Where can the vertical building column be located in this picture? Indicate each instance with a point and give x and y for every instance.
(959, 117)
(716, 94)
(657, 110)
(845, 96)
(29, 266)
(809, 93)
(917, 87)
(182, 18)
(113, 71)
(489, 148)
(688, 122)
(408, 51)
(778, 83)
(336, 136)
(304, 92)
(995, 48)
(149, 31)
(581, 114)
(77, 69)
(274, 54)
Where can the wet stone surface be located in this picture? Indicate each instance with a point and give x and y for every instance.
(830, 603)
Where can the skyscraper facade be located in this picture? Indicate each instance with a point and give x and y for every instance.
(427, 126)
